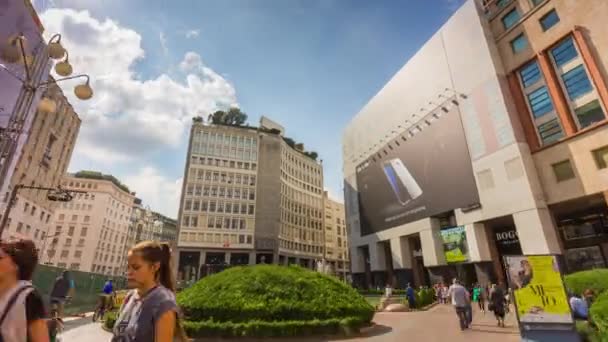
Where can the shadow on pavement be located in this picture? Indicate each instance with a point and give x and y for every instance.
(73, 324)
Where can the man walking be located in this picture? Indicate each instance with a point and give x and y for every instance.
(411, 296)
(461, 301)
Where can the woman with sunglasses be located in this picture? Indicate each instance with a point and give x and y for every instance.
(21, 307)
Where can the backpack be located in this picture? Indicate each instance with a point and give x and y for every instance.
(9, 306)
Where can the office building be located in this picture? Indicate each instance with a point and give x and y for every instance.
(90, 232)
(43, 163)
(248, 197)
(498, 148)
(336, 238)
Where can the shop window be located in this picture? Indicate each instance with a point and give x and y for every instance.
(563, 171)
(549, 20)
(519, 43)
(586, 258)
(601, 157)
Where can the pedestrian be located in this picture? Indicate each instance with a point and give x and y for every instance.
(149, 312)
(460, 300)
(589, 296)
(22, 309)
(482, 295)
(444, 294)
(579, 307)
(63, 287)
(411, 296)
(497, 304)
(437, 288)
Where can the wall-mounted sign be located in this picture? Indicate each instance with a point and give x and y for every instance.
(455, 244)
(507, 241)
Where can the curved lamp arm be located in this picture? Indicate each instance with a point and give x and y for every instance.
(65, 79)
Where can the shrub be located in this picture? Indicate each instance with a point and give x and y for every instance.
(597, 280)
(424, 297)
(271, 300)
(587, 332)
(270, 329)
(110, 319)
(599, 314)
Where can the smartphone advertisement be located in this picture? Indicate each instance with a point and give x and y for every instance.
(417, 175)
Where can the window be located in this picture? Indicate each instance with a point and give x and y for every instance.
(188, 205)
(68, 242)
(74, 217)
(549, 20)
(77, 254)
(540, 102)
(601, 157)
(211, 222)
(530, 74)
(510, 19)
(519, 43)
(564, 52)
(83, 231)
(64, 254)
(87, 218)
(19, 227)
(590, 113)
(563, 171)
(576, 82)
(26, 207)
(536, 2)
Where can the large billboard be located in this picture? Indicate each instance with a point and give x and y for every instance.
(423, 172)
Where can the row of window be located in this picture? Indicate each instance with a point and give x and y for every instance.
(68, 242)
(218, 238)
(225, 163)
(300, 162)
(294, 232)
(301, 198)
(219, 207)
(225, 151)
(576, 84)
(72, 230)
(220, 192)
(103, 270)
(85, 218)
(300, 247)
(43, 216)
(300, 221)
(225, 139)
(77, 206)
(222, 177)
(215, 222)
(563, 170)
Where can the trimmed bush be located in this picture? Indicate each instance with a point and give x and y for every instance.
(597, 280)
(110, 319)
(271, 300)
(599, 314)
(587, 332)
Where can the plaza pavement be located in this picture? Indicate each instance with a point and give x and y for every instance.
(437, 324)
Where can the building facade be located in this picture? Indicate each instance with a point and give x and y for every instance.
(336, 238)
(43, 162)
(498, 148)
(90, 232)
(248, 197)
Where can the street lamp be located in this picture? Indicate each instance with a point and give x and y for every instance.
(14, 51)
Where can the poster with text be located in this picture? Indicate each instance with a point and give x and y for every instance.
(540, 296)
(455, 244)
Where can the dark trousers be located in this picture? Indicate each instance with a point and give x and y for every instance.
(461, 312)
(469, 312)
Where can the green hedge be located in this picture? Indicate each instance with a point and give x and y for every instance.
(110, 319)
(597, 280)
(599, 314)
(587, 332)
(271, 293)
(271, 329)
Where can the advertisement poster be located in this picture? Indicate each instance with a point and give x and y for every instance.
(455, 244)
(538, 289)
(421, 173)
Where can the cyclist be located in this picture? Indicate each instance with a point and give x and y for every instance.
(106, 299)
(62, 289)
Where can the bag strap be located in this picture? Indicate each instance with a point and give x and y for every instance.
(12, 301)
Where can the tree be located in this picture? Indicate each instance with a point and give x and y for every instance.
(235, 117)
(217, 118)
(314, 155)
(290, 142)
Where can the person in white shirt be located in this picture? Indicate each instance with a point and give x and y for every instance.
(460, 300)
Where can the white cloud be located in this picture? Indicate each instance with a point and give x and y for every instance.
(156, 190)
(127, 115)
(163, 43)
(192, 61)
(192, 33)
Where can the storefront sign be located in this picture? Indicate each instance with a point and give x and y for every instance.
(540, 296)
(507, 241)
(455, 244)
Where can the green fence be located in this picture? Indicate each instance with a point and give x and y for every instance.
(88, 287)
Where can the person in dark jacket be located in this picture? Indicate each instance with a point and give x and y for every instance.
(497, 303)
(61, 291)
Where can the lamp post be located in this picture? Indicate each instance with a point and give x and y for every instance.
(14, 51)
(54, 194)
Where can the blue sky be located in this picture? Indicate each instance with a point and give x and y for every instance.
(309, 64)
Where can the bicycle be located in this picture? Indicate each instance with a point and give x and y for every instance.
(55, 324)
(105, 304)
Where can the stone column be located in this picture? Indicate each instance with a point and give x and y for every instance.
(251, 258)
(432, 246)
(478, 243)
(537, 232)
(227, 258)
(358, 260)
(402, 261)
(377, 256)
